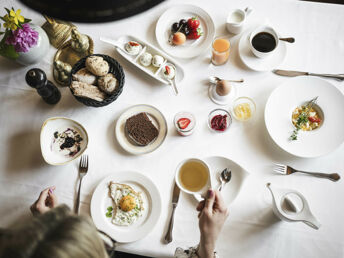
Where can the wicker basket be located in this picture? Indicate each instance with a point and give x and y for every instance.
(115, 68)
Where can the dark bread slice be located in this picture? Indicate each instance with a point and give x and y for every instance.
(141, 129)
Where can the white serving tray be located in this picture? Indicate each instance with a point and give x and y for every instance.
(152, 71)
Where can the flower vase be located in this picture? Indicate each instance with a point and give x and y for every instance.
(37, 52)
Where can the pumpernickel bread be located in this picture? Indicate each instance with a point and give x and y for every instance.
(141, 129)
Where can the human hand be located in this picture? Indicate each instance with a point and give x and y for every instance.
(46, 201)
(212, 215)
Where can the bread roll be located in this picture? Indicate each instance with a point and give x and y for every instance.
(97, 65)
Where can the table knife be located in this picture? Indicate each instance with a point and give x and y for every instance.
(296, 73)
(175, 198)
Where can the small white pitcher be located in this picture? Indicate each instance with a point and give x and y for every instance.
(291, 206)
(236, 20)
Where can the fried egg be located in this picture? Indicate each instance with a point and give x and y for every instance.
(128, 204)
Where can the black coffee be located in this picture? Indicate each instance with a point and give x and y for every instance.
(264, 42)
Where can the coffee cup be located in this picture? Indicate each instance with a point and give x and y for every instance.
(193, 176)
(236, 20)
(263, 41)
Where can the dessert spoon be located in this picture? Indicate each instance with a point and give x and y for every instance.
(214, 80)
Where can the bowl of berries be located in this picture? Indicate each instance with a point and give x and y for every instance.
(185, 31)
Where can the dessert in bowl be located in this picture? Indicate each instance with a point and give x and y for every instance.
(62, 140)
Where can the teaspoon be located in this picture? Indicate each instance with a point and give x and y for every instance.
(290, 40)
(173, 81)
(225, 177)
(214, 80)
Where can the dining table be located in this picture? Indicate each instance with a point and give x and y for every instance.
(252, 229)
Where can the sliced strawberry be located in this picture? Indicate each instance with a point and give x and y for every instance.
(314, 119)
(195, 34)
(134, 44)
(167, 70)
(183, 123)
(193, 23)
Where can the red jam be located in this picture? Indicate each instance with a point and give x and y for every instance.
(219, 122)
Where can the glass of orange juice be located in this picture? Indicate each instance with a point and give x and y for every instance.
(220, 51)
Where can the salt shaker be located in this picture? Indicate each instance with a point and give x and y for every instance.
(36, 78)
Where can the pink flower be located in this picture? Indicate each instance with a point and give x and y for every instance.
(23, 39)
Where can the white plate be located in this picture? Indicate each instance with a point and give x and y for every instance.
(191, 48)
(295, 92)
(260, 64)
(152, 206)
(49, 127)
(231, 190)
(152, 71)
(156, 117)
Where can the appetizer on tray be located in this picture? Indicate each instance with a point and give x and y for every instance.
(148, 59)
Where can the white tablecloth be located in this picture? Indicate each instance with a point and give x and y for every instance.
(251, 230)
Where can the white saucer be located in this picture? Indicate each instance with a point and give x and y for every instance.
(231, 190)
(222, 101)
(157, 119)
(260, 64)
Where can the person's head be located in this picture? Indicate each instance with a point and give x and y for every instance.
(56, 233)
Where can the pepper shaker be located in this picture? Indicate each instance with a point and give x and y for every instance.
(36, 78)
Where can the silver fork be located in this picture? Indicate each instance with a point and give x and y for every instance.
(287, 170)
(83, 168)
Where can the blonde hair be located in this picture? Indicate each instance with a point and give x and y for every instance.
(57, 234)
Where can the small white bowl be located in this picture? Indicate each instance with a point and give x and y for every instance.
(49, 127)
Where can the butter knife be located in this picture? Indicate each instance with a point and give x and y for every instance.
(175, 198)
(296, 73)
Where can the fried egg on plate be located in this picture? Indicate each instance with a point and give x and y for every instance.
(128, 204)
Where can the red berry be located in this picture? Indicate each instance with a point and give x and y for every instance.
(193, 23)
(183, 123)
(195, 34)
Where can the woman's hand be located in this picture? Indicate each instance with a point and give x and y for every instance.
(46, 201)
(212, 215)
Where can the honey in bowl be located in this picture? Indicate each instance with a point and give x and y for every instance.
(193, 176)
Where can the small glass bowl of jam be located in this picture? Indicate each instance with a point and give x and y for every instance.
(244, 108)
(185, 123)
(219, 120)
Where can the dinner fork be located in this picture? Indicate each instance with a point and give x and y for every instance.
(287, 170)
(83, 168)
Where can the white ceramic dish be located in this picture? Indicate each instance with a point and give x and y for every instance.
(152, 71)
(49, 127)
(191, 48)
(140, 228)
(233, 187)
(260, 64)
(156, 117)
(293, 93)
